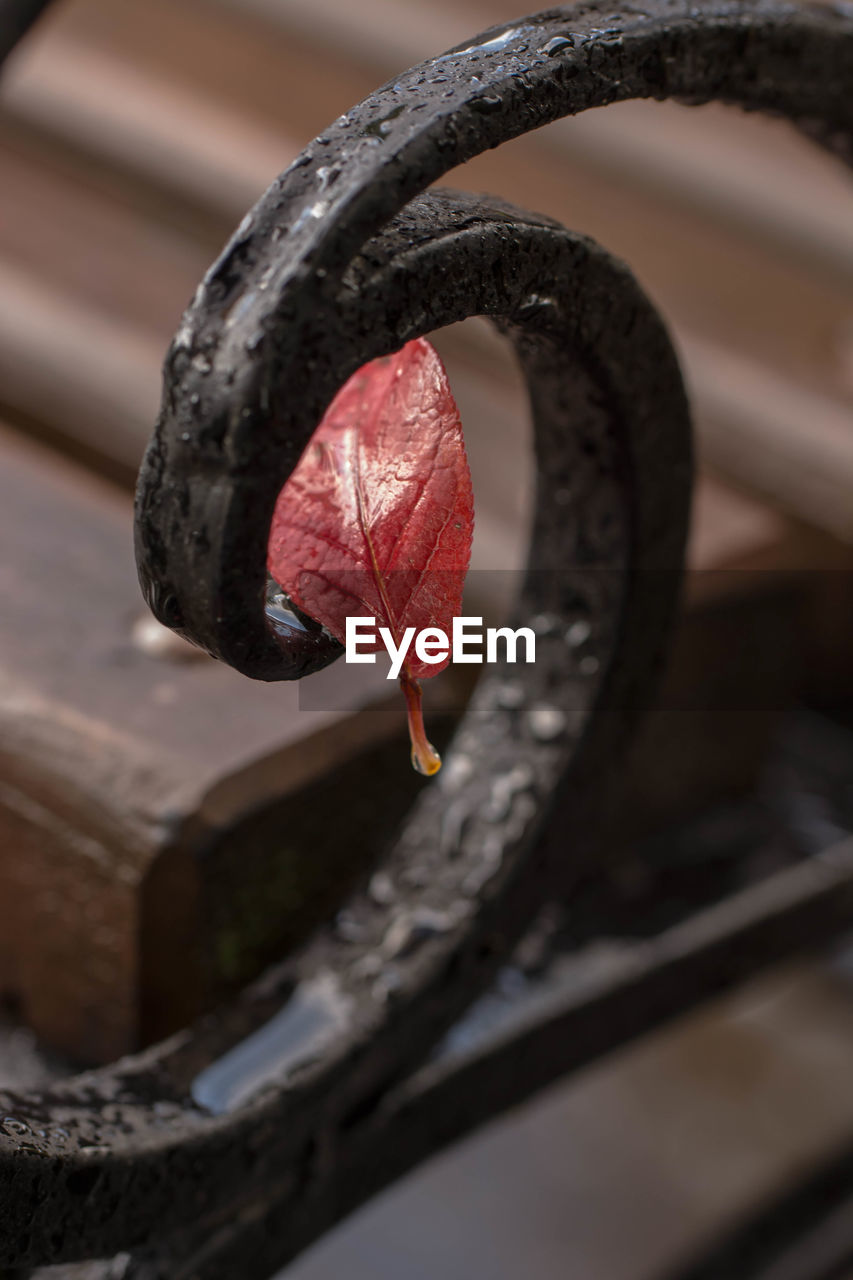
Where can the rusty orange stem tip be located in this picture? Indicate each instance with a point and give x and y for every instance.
(425, 758)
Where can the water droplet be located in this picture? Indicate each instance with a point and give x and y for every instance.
(558, 45)
(316, 210)
(491, 857)
(348, 929)
(381, 889)
(386, 986)
(504, 789)
(486, 102)
(14, 1127)
(426, 762)
(578, 633)
(367, 966)
(490, 46)
(415, 877)
(524, 808)
(538, 302)
(546, 722)
(281, 618)
(457, 772)
(544, 624)
(412, 928)
(327, 175)
(510, 696)
(382, 127)
(241, 308)
(182, 340)
(201, 363)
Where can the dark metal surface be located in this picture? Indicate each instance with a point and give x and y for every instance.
(331, 268)
(806, 1233)
(16, 19)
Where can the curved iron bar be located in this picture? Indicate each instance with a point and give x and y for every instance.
(482, 877)
(340, 261)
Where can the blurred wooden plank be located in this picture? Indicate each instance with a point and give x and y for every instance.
(77, 376)
(139, 88)
(725, 164)
(120, 763)
(711, 269)
(196, 147)
(790, 444)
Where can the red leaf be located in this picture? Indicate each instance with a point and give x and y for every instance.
(376, 519)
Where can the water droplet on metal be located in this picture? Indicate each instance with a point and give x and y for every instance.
(486, 102)
(412, 928)
(578, 633)
(558, 45)
(510, 696)
(367, 966)
(314, 1016)
(505, 787)
(382, 127)
(386, 985)
(544, 624)
(491, 857)
(457, 772)
(14, 1127)
(524, 808)
(348, 929)
(493, 45)
(453, 824)
(381, 889)
(327, 175)
(546, 722)
(182, 340)
(426, 765)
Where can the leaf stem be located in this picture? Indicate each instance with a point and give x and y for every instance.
(425, 758)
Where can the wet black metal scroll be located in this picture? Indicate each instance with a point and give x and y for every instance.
(344, 259)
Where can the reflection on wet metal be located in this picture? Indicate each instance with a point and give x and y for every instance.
(313, 1017)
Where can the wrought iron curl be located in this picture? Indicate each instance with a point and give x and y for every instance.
(344, 259)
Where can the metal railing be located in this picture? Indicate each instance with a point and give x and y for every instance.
(236, 1143)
